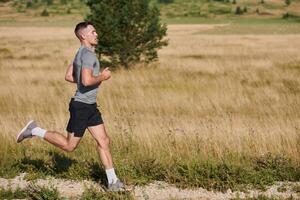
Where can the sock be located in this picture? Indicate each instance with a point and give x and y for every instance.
(39, 132)
(111, 176)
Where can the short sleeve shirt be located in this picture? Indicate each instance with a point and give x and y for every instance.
(85, 58)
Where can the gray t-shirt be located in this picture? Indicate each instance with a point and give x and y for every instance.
(85, 58)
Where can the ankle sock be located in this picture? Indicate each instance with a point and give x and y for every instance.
(37, 131)
(111, 176)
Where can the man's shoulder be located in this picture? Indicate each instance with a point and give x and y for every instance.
(87, 54)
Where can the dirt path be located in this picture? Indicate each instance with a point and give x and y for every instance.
(157, 190)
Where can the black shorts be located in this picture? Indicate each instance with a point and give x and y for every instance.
(82, 115)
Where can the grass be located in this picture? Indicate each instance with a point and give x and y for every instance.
(12, 194)
(33, 192)
(18, 13)
(263, 197)
(218, 110)
(36, 192)
(211, 175)
(92, 193)
(296, 189)
(257, 29)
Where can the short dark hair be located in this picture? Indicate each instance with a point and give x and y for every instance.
(80, 26)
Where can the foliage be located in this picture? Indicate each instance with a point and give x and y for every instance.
(238, 10)
(165, 1)
(47, 7)
(45, 13)
(128, 31)
(288, 15)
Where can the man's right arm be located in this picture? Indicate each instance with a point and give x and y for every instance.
(89, 79)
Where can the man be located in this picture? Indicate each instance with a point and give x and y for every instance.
(83, 108)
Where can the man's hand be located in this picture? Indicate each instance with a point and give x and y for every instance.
(105, 74)
(69, 74)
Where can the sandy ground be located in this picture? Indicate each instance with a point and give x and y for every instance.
(157, 190)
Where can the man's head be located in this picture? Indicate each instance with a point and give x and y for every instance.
(86, 33)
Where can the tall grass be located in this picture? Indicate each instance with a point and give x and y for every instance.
(227, 104)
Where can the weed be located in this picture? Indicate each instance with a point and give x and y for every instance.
(5, 53)
(92, 193)
(282, 188)
(264, 197)
(32, 192)
(35, 192)
(45, 13)
(296, 188)
(12, 194)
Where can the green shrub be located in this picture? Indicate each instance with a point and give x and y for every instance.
(48, 2)
(129, 31)
(288, 15)
(63, 1)
(238, 10)
(165, 1)
(45, 13)
(219, 10)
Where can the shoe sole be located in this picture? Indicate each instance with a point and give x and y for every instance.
(124, 191)
(23, 130)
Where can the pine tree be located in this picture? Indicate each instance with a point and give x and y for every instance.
(129, 31)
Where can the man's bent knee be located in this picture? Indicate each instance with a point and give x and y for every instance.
(69, 148)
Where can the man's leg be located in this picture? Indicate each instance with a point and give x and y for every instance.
(99, 134)
(68, 143)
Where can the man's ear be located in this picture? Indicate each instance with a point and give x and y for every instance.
(82, 36)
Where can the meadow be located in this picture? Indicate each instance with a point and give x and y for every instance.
(220, 109)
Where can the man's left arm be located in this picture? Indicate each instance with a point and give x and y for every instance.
(69, 74)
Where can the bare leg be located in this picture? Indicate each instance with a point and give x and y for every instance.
(99, 134)
(65, 143)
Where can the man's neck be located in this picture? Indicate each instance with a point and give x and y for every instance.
(89, 46)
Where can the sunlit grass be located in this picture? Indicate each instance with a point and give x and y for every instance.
(219, 102)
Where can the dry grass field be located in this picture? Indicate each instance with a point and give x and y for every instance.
(232, 97)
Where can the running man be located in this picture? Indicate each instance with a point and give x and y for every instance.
(83, 108)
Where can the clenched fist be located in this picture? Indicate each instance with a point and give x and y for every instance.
(105, 74)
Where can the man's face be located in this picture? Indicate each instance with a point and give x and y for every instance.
(90, 35)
